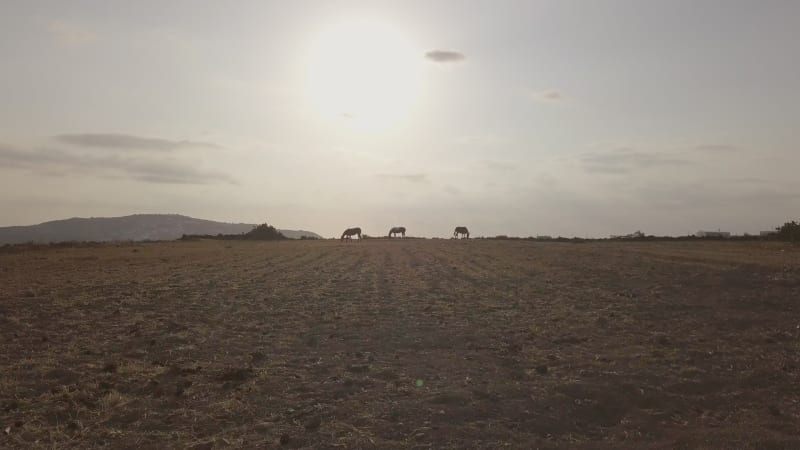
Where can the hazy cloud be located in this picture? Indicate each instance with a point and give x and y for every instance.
(746, 180)
(58, 162)
(702, 195)
(501, 166)
(444, 56)
(174, 173)
(717, 148)
(625, 160)
(130, 142)
(481, 140)
(549, 95)
(412, 177)
(69, 34)
(452, 190)
(39, 160)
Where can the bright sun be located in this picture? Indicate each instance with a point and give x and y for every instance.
(365, 73)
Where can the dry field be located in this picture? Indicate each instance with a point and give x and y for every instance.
(401, 344)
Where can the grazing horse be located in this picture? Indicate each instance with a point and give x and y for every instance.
(350, 232)
(461, 231)
(397, 230)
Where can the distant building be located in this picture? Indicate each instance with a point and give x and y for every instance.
(719, 234)
(544, 237)
(767, 233)
(637, 234)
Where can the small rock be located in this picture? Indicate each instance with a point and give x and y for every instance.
(11, 405)
(258, 357)
(264, 427)
(358, 368)
(313, 423)
(285, 439)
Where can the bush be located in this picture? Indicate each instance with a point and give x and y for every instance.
(264, 232)
(790, 231)
(261, 232)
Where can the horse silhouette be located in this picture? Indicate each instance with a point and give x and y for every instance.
(350, 232)
(459, 231)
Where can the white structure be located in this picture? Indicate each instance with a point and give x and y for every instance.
(637, 234)
(722, 234)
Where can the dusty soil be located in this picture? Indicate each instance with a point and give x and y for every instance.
(401, 344)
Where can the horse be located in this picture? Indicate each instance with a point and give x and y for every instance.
(397, 230)
(461, 231)
(350, 232)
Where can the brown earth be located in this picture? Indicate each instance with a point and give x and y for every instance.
(401, 344)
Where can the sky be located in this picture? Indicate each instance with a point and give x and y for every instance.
(571, 118)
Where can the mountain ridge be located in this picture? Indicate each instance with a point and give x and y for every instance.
(134, 227)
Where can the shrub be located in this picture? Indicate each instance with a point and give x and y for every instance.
(790, 231)
(264, 232)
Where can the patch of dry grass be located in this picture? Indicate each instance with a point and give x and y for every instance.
(400, 344)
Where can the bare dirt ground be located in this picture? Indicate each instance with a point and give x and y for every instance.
(401, 344)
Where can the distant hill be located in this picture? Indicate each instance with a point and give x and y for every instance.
(299, 234)
(138, 227)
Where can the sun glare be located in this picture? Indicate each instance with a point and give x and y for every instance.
(363, 73)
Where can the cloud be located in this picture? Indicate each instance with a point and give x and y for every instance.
(747, 180)
(717, 148)
(549, 95)
(703, 195)
(486, 139)
(130, 142)
(625, 160)
(69, 34)
(500, 166)
(52, 162)
(174, 172)
(444, 56)
(412, 177)
(452, 190)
